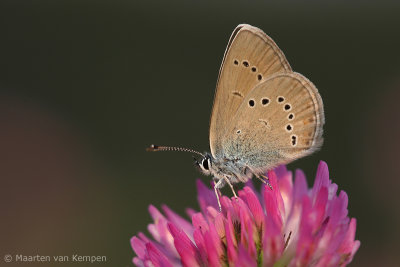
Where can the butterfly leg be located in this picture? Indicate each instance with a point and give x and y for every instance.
(216, 186)
(229, 183)
(259, 178)
(266, 181)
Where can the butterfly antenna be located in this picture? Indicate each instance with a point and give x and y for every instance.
(172, 148)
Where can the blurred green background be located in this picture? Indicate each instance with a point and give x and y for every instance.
(86, 86)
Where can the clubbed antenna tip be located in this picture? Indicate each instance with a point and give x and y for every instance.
(152, 148)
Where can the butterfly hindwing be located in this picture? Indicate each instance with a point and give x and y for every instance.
(278, 121)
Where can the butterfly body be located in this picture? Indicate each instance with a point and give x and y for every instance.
(264, 114)
(234, 170)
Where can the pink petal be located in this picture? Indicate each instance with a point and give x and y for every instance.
(184, 246)
(327, 259)
(156, 257)
(319, 208)
(281, 171)
(160, 231)
(200, 244)
(244, 219)
(211, 213)
(238, 205)
(349, 246)
(254, 237)
(321, 179)
(273, 242)
(213, 246)
(190, 212)
(244, 259)
(199, 222)
(155, 214)
(226, 204)
(300, 186)
(271, 205)
(299, 190)
(178, 220)
(213, 257)
(276, 190)
(138, 262)
(338, 210)
(143, 237)
(254, 190)
(231, 242)
(332, 190)
(139, 247)
(285, 183)
(305, 245)
(220, 225)
(205, 196)
(165, 249)
(254, 205)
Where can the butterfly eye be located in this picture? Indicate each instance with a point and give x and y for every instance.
(205, 164)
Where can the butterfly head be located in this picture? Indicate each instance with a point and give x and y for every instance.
(205, 164)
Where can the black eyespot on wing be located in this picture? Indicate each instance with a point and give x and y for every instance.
(294, 140)
(264, 101)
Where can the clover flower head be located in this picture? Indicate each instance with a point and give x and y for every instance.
(290, 225)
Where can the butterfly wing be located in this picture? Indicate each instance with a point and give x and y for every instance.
(278, 121)
(250, 57)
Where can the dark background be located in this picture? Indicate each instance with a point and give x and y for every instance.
(87, 85)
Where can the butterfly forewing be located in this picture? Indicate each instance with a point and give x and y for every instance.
(250, 58)
(278, 121)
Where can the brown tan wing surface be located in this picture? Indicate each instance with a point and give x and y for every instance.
(279, 121)
(250, 57)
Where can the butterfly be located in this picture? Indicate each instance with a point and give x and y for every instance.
(264, 114)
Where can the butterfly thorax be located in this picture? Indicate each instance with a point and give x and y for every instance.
(234, 170)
